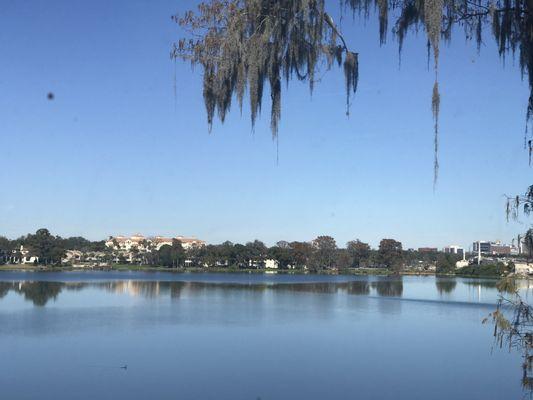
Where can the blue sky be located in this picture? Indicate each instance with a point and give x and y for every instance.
(117, 153)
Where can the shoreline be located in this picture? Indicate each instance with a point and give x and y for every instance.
(142, 268)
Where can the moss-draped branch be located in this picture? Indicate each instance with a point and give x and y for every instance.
(243, 45)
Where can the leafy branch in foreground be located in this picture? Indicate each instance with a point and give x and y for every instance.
(243, 45)
(516, 330)
(513, 207)
(518, 203)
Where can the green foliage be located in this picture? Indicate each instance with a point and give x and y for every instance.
(82, 244)
(49, 249)
(283, 253)
(6, 247)
(390, 254)
(446, 263)
(484, 270)
(173, 255)
(359, 251)
(324, 253)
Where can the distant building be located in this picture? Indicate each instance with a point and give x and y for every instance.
(427, 249)
(453, 249)
(271, 264)
(147, 244)
(72, 256)
(494, 248)
(23, 256)
(481, 246)
(187, 243)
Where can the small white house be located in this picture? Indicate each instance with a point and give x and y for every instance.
(29, 259)
(271, 264)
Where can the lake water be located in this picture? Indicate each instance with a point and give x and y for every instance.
(246, 336)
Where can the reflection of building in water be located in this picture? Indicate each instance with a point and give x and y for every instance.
(135, 288)
(477, 287)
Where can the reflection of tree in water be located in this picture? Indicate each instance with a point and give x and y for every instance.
(39, 292)
(74, 286)
(319, 287)
(388, 287)
(445, 285)
(152, 289)
(175, 289)
(358, 288)
(4, 288)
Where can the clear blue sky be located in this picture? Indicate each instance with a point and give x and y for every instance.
(116, 153)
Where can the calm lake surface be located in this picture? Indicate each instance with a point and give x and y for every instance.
(243, 336)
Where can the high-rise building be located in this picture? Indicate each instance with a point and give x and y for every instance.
(427, 249)
(454, 249)
(494, 248)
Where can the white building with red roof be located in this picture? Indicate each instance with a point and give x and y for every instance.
(147, 244)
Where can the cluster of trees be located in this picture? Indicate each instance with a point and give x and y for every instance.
(48, 248)
(321, 253)
(446, 263)
(318, 254)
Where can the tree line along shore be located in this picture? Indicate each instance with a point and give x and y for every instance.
(44, 251)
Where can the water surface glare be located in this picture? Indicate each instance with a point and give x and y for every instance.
(247, 336)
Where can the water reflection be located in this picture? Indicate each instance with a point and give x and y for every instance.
(445, 285)
(479, 283)
(4, 289)
(41, 292)
(389, 288)
(37, 292)
(359, 288)
(203, 331)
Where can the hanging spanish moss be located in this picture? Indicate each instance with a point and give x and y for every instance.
(351, 74)
(435, 107)
(243, 45)
(383, 7)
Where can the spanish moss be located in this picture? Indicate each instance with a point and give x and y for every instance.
(435, 107)
(243, 45)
